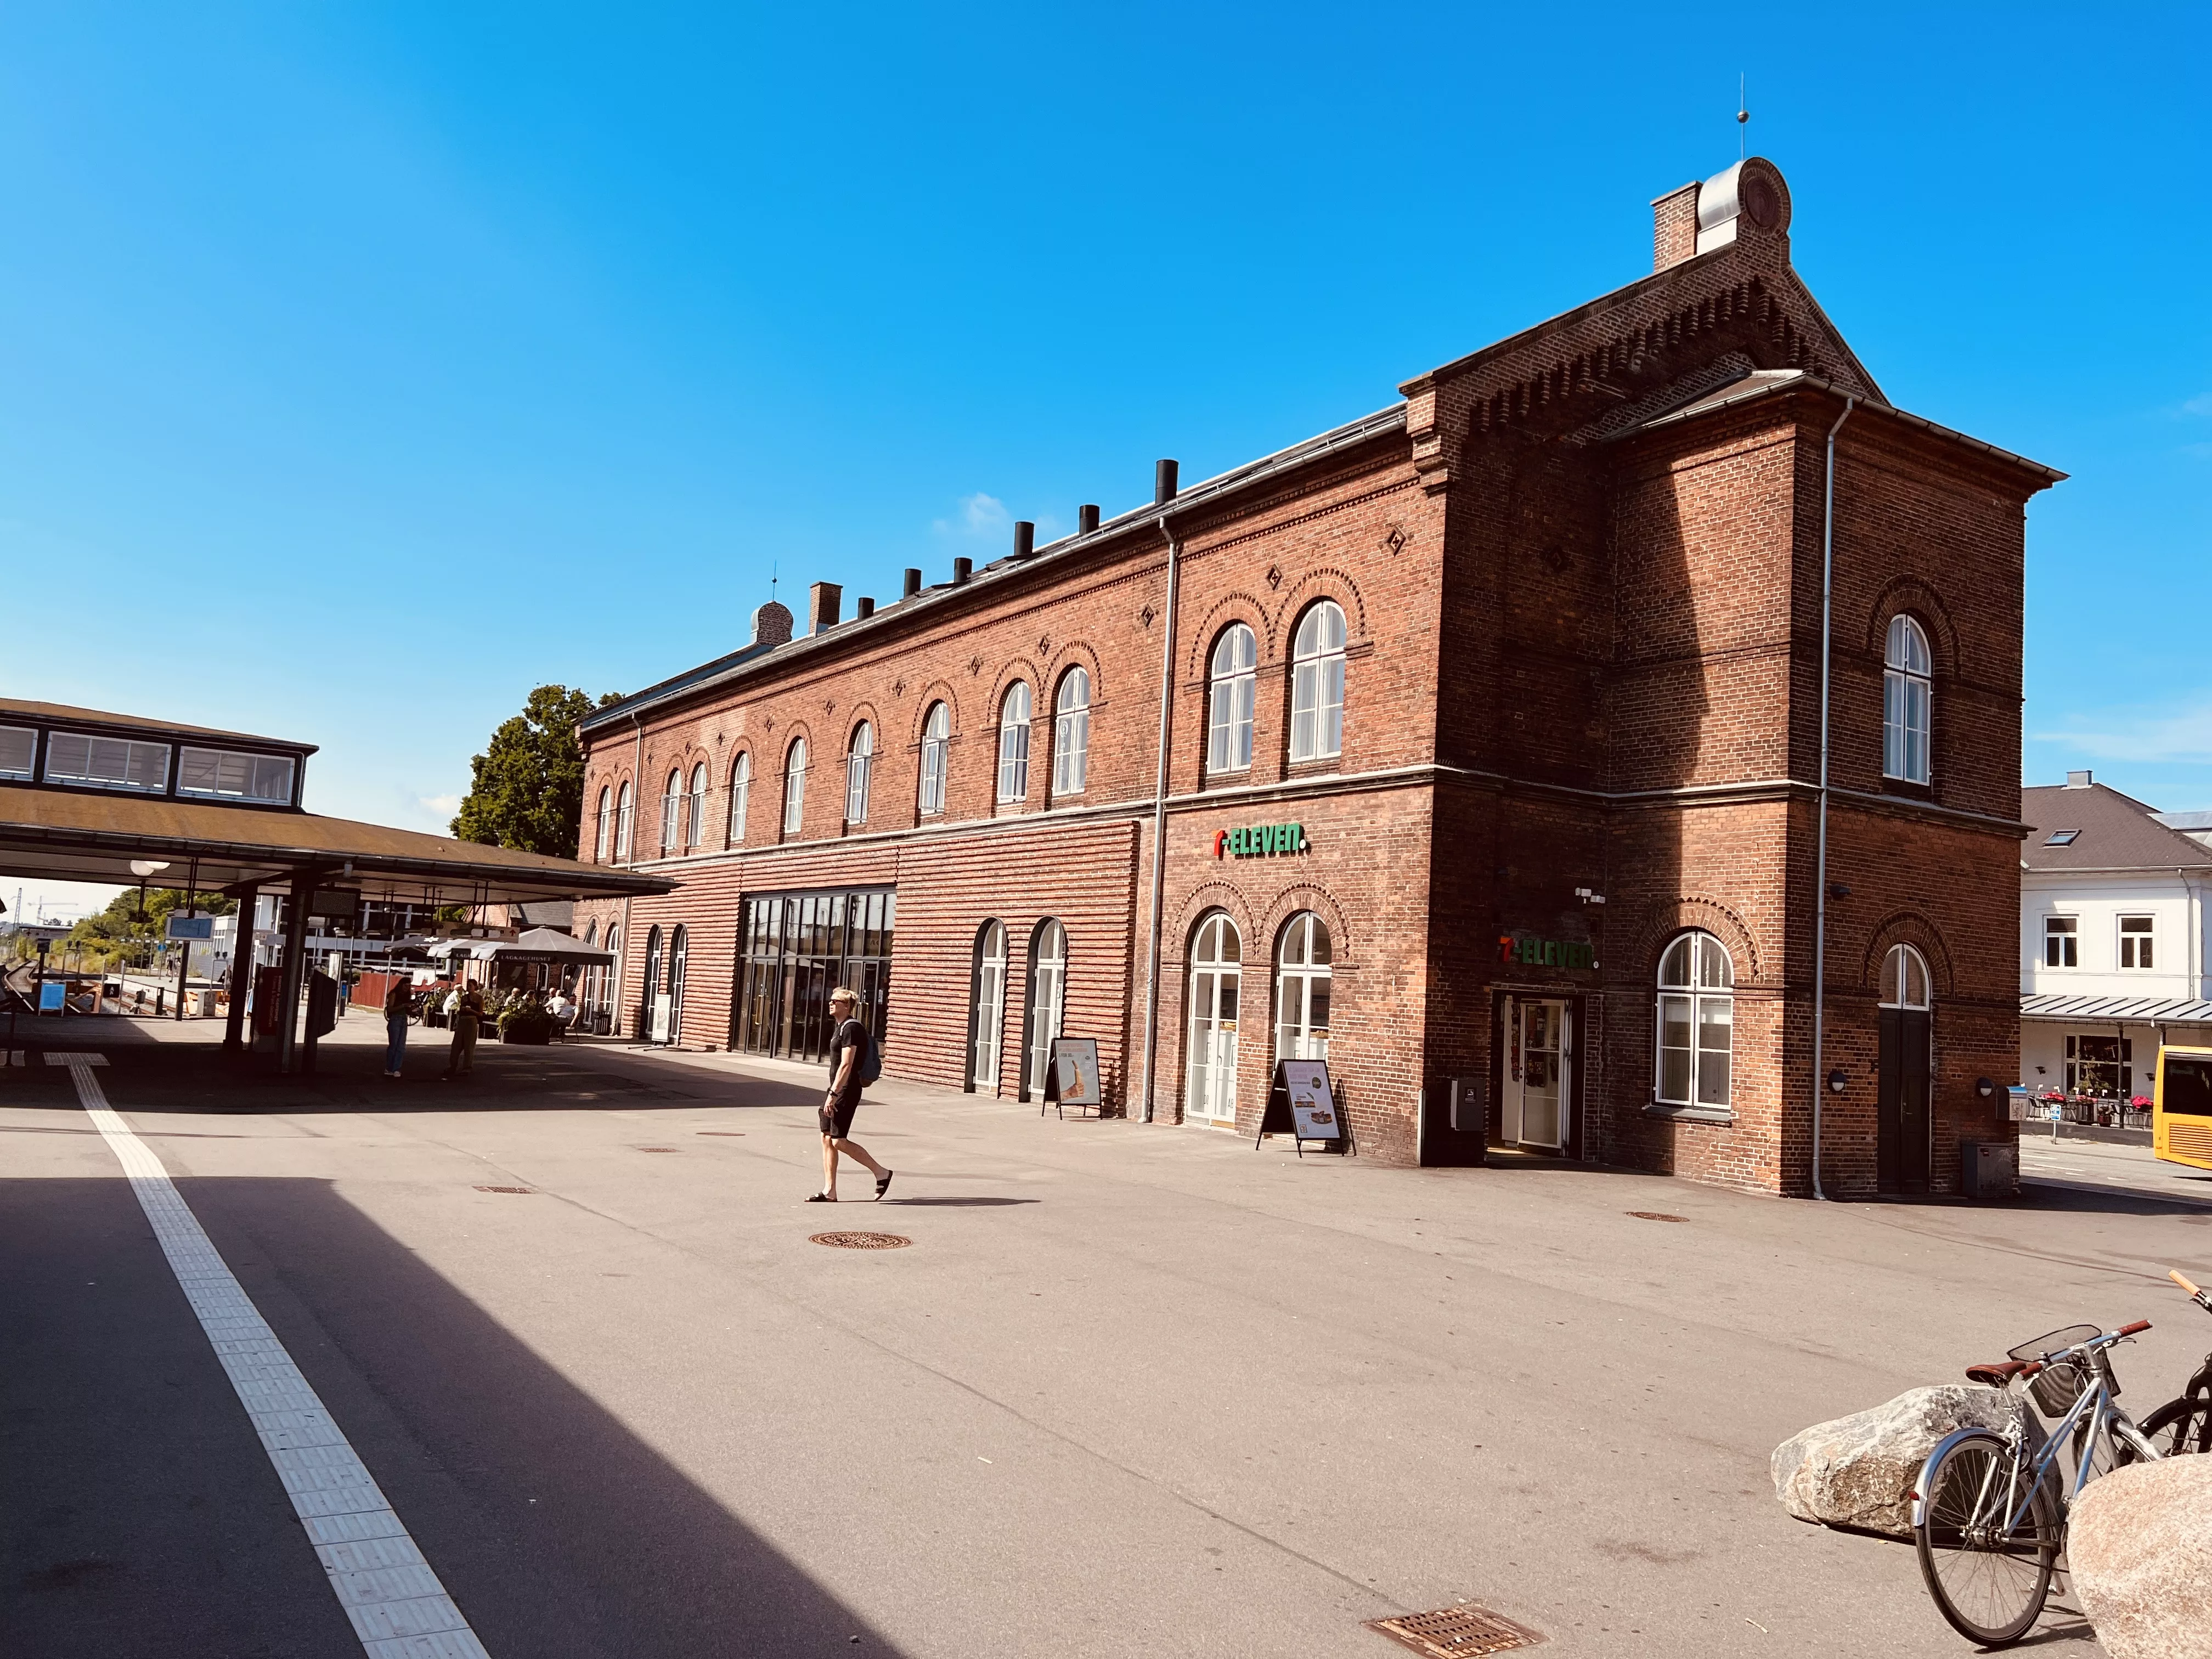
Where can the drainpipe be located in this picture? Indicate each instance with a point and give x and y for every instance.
(637, 806)
(1820, 867)
(1160, 812)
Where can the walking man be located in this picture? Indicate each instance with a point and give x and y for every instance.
(397, 997)
(468, 1009)
(852, 1066)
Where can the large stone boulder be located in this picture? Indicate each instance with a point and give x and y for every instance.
(2140, 1546)
(1858, 1471)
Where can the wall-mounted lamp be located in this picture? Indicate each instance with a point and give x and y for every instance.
(1983, 1087)
(1588, 896)
(1836, 1081)
(1838, 890)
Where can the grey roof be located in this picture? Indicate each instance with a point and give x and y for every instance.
(2169, 1011)
(2118, 832)
(2185, 821)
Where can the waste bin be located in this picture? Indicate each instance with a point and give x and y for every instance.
(1989, 1168)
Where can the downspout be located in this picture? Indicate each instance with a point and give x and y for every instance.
(629, 849)
(1821, 865)
(1160, 812)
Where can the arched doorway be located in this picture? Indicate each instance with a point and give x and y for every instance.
(1048, 1003)
(1904, 1126)
(679, 948)
(1217, 977)
(987, 1006)
(648, 1022)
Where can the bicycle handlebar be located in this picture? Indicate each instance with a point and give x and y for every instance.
(2175, 1274)
(2129, 1330)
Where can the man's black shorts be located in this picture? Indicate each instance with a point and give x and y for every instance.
(836, 1118)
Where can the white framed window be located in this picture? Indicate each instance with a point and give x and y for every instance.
(2136, 935)
(1697, 1023)
(1014, 743)
(741, 791)
(936, 753)
(1071, 732)
(606, 828)
(794, 787)
(1047, 998)
(80, 758)
(1318, 684)
(228, 774)
(987, 1006)
(623, 816)
(2062, 942)
(1235, 691)
(1906, 701)
(1304, 968)
(1217, 980)
(859, 760)
(694, 814)
(2100, 1066)
(1905, 979)
(672, 814)
(19, 747)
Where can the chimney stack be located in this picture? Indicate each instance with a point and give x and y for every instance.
(821, 606)
(1086, 518)
(1675, 227)
(2080, 780)
(962, 569)
(1163, 482)
(863, 608)
(1747, 202)
(1025, 538)
(913, 583)
(772, 625)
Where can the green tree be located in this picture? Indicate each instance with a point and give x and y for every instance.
(526, 789)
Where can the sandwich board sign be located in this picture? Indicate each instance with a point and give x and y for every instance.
(1303, 1104)
(1073, 1079)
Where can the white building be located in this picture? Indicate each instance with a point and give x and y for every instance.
(2112, 918)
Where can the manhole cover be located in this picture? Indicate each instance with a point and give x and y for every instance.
(860, 1241)
(505, 1189)
(1656, 1215)
(1455, 1632)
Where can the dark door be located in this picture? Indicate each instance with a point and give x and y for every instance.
(1901, 1147)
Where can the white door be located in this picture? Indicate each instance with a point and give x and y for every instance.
(1535, 1091)
(1216, 977)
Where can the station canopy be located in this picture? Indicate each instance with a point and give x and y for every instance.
(121, 798)
(539, 945)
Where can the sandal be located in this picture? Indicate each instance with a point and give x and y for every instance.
(820, 1198)
(884, 1185)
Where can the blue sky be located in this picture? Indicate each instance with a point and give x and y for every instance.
(363, 367)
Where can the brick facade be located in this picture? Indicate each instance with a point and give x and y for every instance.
(1581, 575)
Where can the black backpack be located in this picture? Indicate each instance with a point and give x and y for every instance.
(870, 1064)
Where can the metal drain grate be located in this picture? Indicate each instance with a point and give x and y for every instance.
(1656, 1215)
(657, 1148)
(506, 1189)
(860, 1241)
(1457, 1633)
(739, 1133)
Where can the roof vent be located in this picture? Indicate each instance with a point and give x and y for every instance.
(2079, 780)
(1025, 538)
(912, 585)
(772, 625)
(1699, 218)
(863, 608)
(1163, 481)
(962, 569)
(1086, 518)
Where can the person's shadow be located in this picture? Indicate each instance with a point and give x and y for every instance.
(964, 1203)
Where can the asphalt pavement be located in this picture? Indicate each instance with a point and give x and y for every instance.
(1129, 1390)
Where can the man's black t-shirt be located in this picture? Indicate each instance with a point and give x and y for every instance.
(854, 1036)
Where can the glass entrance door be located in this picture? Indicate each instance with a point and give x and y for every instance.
(1535, 1092)
(1217, 974)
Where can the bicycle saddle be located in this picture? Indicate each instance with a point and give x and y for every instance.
(1999, 1372)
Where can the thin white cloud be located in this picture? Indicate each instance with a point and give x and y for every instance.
(444, 805)
(980, 515)
(2131, 735)
(2202, 405)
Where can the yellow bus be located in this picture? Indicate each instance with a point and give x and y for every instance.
(2181, 1109)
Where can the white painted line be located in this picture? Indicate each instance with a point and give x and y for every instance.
(398, 1608)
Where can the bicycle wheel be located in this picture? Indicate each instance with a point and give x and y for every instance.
(1988, 1572)
(2179, 1427)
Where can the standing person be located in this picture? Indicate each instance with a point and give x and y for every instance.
(852, 1066)
(467, 1003)
(398, 997)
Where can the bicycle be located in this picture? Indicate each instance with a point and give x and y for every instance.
(2184, 1424)
(1989, 1511)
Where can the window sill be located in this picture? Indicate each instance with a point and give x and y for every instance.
(1690, 1114)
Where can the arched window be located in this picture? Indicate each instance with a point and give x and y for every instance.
(1071, 732)
(694, 817)
(1318, 684)
(604, 842)
(591, 933)
(1697, 1022)
(1905, 979)
(649, 987)
(672, 814)
(987, 1006)
(1228, 708)
(1014, 743)
(794, 787)
(609, 982)
(860, 760)
(1907, 702)
(1303, 971)
(623, 817)
(1048, 1001)
(936, 746)
(1217, 969)
(741, 790)
(680, 947)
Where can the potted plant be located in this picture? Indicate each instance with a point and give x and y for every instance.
(527, 1022)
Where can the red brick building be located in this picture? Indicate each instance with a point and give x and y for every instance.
(1475, 745)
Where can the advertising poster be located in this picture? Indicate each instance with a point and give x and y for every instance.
(1313, 1106)
(1075, 1073)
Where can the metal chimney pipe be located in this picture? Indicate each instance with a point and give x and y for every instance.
(913, 584)
(962, 569)
(1086, 518)
(863, 607)
(1025, 538)
(1163, 482)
